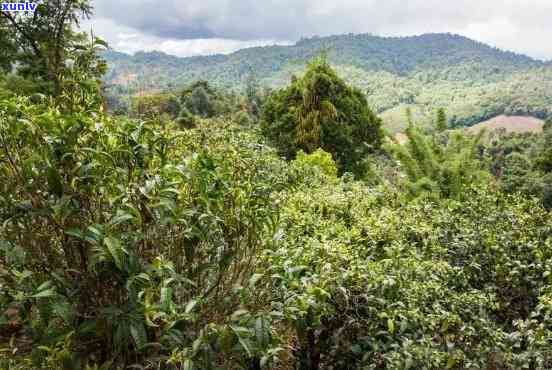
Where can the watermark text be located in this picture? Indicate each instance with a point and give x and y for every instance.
(19, 7)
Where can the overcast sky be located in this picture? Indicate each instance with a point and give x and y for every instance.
(199, 27)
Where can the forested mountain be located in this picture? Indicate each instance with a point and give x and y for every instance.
(472, 80)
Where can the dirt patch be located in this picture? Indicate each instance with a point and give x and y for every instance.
(518, 124)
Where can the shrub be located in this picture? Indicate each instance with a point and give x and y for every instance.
(319, 159)
(155, 105)
(126, 243)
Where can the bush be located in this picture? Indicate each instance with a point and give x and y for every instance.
(154, 106)
(365, 281)
(126, 243)
(319, 159)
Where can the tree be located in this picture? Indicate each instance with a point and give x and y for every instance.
(252, 92)
(200, 99)
(45, 40)
(409, 119)
(442, 122)
(320, 110)
(201, 102)
(439, 170)
(548, 125)
(544, 159)
(8, 49)
(155, 105)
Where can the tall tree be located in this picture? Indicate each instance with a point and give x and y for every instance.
(320, 110)
(45, 39)
(442, 122)
(252, 92)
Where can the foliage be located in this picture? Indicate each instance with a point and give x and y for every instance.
(367, 281)
(442, 123)
(155, 106)
(200, 99)
(319, 158)
(473, 81)
(46, 40)
(126, 242)
(440, 166)
(522, 164)
(181, 240)
(321, 111)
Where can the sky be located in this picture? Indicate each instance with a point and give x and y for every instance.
(203, 27)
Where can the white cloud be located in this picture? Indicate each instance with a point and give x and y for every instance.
(518, 25)
(128, 40)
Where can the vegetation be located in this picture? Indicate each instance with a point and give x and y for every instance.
(473, 81)
(155, 105)
(438, 169)
(320, 111)
(523, 163)
(141, 240)
(46, 42)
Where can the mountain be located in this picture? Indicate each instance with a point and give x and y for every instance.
(471, 80)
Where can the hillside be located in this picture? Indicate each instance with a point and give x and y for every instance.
(473, 81)
(511, 124)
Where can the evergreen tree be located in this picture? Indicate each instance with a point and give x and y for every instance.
(201, 99)
(201, 102)
(442, 122)
(409, 119)
(320, 110)
(253, 94)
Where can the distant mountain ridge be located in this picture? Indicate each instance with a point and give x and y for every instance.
(472, 80)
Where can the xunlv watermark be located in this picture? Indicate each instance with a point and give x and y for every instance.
(19, 7)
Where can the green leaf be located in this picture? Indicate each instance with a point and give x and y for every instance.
(75, 232)
(166, 298)
(139, 335)
(239, 313)
(188, 365)
(116, 251)
(451, 362)
(242, 341)
(45, 285)
(391, 325)
(190, 306)
(254, 279)
(120, 218)
(45, 294)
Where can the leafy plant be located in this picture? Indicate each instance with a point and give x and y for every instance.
(320, 110)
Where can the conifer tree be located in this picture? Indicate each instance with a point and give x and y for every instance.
(320, 110)
(442, 122)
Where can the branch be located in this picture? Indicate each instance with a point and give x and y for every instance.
(25, 35)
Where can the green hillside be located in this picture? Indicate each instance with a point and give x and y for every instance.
(473, 81)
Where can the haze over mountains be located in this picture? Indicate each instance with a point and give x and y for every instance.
(471, 80)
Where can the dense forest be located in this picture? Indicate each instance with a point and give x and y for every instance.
(474, 81)
(204, 227)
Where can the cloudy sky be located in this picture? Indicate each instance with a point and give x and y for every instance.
(199, 27)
